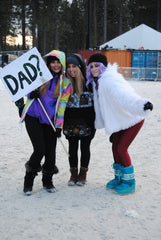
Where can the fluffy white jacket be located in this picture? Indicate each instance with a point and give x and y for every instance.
(117, 105)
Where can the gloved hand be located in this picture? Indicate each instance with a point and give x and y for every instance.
(35, 94)
(111, 138)
(148, 105)
(55, 170)
(58, 132)
(20, 105)
(20, 110)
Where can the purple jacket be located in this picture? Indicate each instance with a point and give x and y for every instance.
(48, 102)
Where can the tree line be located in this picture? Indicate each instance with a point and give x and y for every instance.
(73, 26)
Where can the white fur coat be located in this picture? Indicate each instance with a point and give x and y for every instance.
(116, 103)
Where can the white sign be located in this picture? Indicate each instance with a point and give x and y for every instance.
(25, 74)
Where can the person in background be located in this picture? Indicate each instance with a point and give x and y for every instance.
(121, 111)
(54, 96)
(79, 119)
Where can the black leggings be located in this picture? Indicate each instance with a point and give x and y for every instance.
(85, 152)
(44, 141)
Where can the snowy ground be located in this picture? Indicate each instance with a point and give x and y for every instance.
(89, 212)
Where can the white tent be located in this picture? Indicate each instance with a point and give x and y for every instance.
(137, 38)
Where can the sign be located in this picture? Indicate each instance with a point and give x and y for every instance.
(25, 74)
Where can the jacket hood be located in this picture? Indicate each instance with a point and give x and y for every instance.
(58, 54)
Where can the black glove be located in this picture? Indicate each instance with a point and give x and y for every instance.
(35, 94)
(111, 138)
(148, 105)
(58, 132)
(20, 110)
(20, 105)
(55, 170)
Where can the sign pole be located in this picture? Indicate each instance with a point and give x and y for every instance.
(52, 125)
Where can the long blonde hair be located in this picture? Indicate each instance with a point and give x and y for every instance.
(77, 83)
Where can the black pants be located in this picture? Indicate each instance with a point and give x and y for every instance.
(44, 142)
(85, 151)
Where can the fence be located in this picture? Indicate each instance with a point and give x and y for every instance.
(8, 56)
(16, 52)
(149, 74)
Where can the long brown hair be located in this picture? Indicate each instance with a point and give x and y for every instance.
(77, 83)
(43, 88)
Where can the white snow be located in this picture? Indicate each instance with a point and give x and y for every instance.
(82, 213)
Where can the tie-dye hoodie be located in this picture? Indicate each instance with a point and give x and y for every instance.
(54, 107)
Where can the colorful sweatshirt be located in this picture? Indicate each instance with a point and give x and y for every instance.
(54, 107)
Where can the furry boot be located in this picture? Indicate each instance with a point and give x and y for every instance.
(82, 176)
(116, 181)
(127, 184)
(47, 181)
(74, 176)
(29, 178)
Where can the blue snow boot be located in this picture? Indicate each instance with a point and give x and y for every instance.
(116, 181)
(127, 184)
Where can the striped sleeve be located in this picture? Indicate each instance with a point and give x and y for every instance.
(65, 93)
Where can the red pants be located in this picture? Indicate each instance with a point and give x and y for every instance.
(121, 142)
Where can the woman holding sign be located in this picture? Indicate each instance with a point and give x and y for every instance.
(54, 96)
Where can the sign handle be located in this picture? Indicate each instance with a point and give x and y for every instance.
(52, 125)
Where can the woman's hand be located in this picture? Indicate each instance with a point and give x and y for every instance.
(35, 94)
(148, 106)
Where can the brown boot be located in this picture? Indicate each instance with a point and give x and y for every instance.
(74, 176)
(82, 176)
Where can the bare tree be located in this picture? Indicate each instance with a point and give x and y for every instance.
(105, 21)
(158, 15)
(34, 25)
(23, 19)
(120, 18)
(95, 22)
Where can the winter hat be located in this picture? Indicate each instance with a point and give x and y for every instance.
(98, 57)
(73, 60)
(77, 60)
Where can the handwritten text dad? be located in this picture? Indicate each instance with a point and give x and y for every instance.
(25, 74)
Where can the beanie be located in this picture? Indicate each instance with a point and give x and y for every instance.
(73, 60)
(77, 60)
(98, 57)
